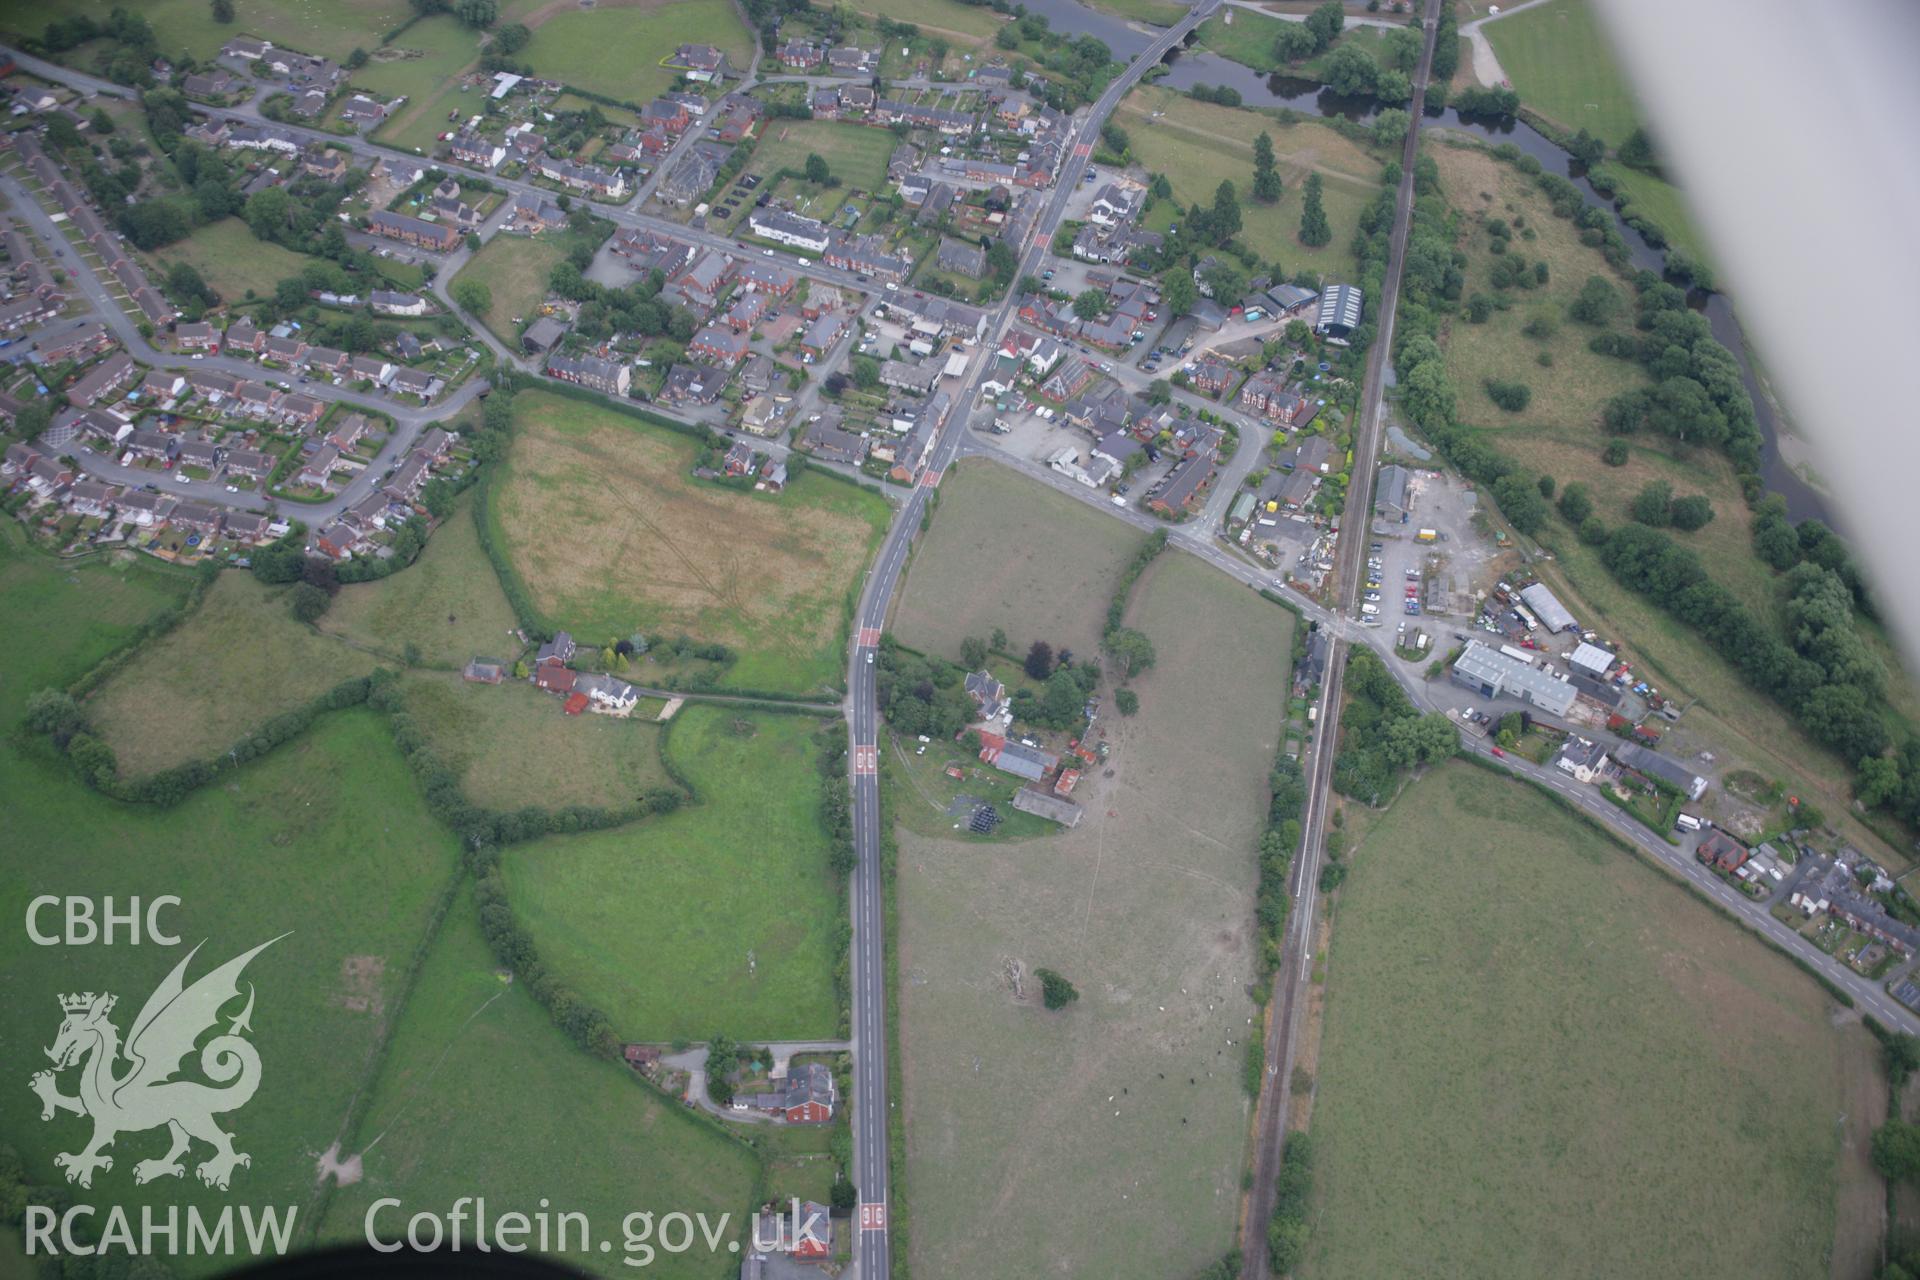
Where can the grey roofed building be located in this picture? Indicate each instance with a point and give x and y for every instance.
(1579, 755)
(1664, 768)
(961, 258)
(1340, 310)
(1288, 296)
(836, 444)
(1596, 691)
(1590, 658)
(1390, 495)
(542, 334)
(1030, 763)
(1491, 673)
(1552, 614)
(1053, 808)
(988, 693)
(918, 378)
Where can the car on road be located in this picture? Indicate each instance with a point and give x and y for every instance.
(1119, 500)
(768, 252)
(178, 478)
(233, 488)
(869, 657)
(197, 356)
(892, 287)
(1498, 752)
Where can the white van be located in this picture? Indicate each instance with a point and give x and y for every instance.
(1687, 822)
(1369, 610)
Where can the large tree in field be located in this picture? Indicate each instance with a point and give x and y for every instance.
(1039, 664)
(1314, 230)
(1266, 179)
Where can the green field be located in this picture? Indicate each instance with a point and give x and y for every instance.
(1106, 1139)
(237, 662)
(617, 52)
(1158, 13)
(325, 838)
(62, 619)
(1561, 62)
(962, 581)
(602, 519)
(942, 17)
(330, 28)
(511, 745)
(1197, 145)
(233, 261)
(856, 154)
(1537, 1052)
(448, 604)
(424, 64)
(515, 270)
(480, 1094)
(722, 917)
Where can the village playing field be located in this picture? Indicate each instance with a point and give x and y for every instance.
(481, 1095)
(1107, 1138)
(511, 745)
(1199, 145)
(611, 533)
(237, 662)
(617, 51)
(234, 262)
(855, 154)
(721, 918)
(1538, 1050)
(447, 604)
(1007, 552)
(515, 271)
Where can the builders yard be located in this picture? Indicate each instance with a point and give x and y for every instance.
(1106, 1139)
(611, 534)
(1598, 1047)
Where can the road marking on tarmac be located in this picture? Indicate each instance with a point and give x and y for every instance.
(930, 479)
(873, 1217)
(866, 761)
(869, 637)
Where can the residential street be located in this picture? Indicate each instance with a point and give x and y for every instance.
(408, 420)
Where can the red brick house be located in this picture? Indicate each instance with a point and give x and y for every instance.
(805, 1096)
(1722, 851)
(554, 678)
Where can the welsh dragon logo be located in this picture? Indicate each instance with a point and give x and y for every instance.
(146, 1095)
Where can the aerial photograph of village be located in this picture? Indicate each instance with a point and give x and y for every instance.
(1141, 639)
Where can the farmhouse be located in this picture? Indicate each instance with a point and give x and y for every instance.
(606, 695)
(700, 62)
(807, 1095)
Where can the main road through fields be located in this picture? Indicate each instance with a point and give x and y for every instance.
(872, 1106)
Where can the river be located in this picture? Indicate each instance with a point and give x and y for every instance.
(1191, 67)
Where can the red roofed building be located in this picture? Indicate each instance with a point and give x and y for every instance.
(576, 702)
(553, 677)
